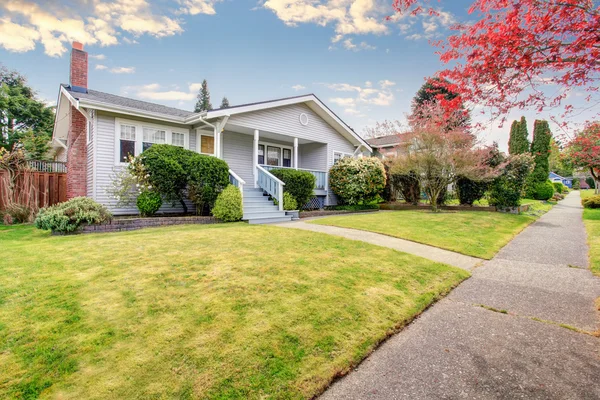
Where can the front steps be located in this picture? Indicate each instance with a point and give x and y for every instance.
(259, 209)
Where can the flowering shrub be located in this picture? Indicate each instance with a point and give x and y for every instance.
(228, 206)
(591, 202)
(356, 180)
(69, 216)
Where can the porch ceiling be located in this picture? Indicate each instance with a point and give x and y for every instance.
(266, 134)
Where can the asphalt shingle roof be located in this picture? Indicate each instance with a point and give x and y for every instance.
(385, 140)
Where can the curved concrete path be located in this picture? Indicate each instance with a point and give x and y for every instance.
(418, 249)
(499, 334)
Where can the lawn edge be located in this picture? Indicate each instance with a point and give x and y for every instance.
(395, 330)
(588, 234)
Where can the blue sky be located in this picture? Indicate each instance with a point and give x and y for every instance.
(365, 68)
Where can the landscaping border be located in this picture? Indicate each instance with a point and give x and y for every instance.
(324, 213)
(130, 224)
(402, 206)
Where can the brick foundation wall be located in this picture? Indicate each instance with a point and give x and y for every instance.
(130, 224)
(76, 155)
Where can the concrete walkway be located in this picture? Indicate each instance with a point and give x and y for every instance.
(498, 335)
(418, 249)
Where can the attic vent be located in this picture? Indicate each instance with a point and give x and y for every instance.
(304, 119)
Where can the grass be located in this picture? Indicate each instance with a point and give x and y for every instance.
(591, 219)
(218, 311)
(475, 233)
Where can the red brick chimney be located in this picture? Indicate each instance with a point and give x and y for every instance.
(76, 139)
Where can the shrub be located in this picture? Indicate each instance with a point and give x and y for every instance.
(228, 206)
(148, 203)
(70, 215)
(505, 190)
(408, 185)
(590, 181)
(558, 187)
(469, 191)
(356, 180)
(355, 207)
(543, 190)
(289, 202)
(208, 176)
(591, 202)
(300, 184)
(576, 184)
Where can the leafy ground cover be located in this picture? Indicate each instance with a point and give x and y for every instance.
(591, 219)
(475, 233)
(219, 311)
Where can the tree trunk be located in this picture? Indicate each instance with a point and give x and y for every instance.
(185, 209)
(595, 176)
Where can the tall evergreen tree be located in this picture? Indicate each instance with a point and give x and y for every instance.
(224, 103)
(435, 89)
(540, 149)
(518, 142)
(203, 103)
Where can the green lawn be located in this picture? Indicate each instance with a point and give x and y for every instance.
(218, 311)
(475, 233)
(591, 219)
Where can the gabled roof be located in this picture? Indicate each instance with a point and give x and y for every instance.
(386, 141)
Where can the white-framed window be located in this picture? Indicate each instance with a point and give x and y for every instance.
(274, 154)
(338, 155)
(178, 139)
(133, 137)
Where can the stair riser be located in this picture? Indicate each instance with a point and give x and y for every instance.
(275, 214)
(269, 220)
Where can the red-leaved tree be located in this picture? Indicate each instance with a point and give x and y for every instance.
(516, 48)
(584, 151)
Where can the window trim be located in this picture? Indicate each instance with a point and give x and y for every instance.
(343, 153)
(281, 146)
(139, 136)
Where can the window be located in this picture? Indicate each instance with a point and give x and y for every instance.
(338, 155)
(261, 154)
(178, 139)
(127, 142)
(273, 155)
(153, 136)
(287, 157)
(207, 144)
(89, 131)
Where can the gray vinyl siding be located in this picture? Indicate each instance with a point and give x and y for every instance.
(105, 168)
(90, 157)
(193, 142)
(237, 153)
(313, 156)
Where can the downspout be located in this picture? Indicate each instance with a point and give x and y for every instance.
(215, 149)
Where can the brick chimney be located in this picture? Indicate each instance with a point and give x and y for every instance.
(76, 139)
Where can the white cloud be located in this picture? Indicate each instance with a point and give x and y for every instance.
(356, 17)
(363, 96)
(122, 70)
(156, 92)
(349, 45)
(298, 87)
(343, 101)
(93, 22)
(195, 87)
(97, 56)
(429, 27)
(100, 67)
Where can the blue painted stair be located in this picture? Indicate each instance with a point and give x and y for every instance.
(259, 209)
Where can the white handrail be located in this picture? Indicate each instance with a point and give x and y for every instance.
(237, 178)
(240, 182)
(272, 190)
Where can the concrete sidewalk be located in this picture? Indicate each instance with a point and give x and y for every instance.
(498, 335)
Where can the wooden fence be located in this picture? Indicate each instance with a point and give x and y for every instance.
(49, 188)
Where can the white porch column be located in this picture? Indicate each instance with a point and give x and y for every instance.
(255, 157)
(296, 153)
(215, 143)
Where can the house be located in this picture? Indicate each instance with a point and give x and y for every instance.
(554, 177)
(95, 132)
(385, 146)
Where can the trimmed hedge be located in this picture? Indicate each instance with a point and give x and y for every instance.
(300, 184)
(69, 216)
(357, 180)
(228, 206)
(469, 191)
(208, 176)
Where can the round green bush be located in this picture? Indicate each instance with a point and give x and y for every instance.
(592, 201)
(148, 203)
(228, 206)
(69, 216)
(356, 180)
(300, 184)
(558, 187)
(289, 202)
(469, 191)
(208, 176)
(543, 190)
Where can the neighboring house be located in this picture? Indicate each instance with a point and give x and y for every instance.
(385, 146)
(95, 132)
(554, 177)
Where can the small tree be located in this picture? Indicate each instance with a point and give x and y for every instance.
(224, 103)
(203, 103)
(518, 143)
(439, 151)
(506, 189)
(584, 151)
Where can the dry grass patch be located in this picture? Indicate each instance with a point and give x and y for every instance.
(222, 311)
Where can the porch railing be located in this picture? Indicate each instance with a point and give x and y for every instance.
(236, 181)
(270, 184)
(48, 166)
(321, 176)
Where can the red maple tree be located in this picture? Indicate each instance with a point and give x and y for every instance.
(517, 48)
(584, 151)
